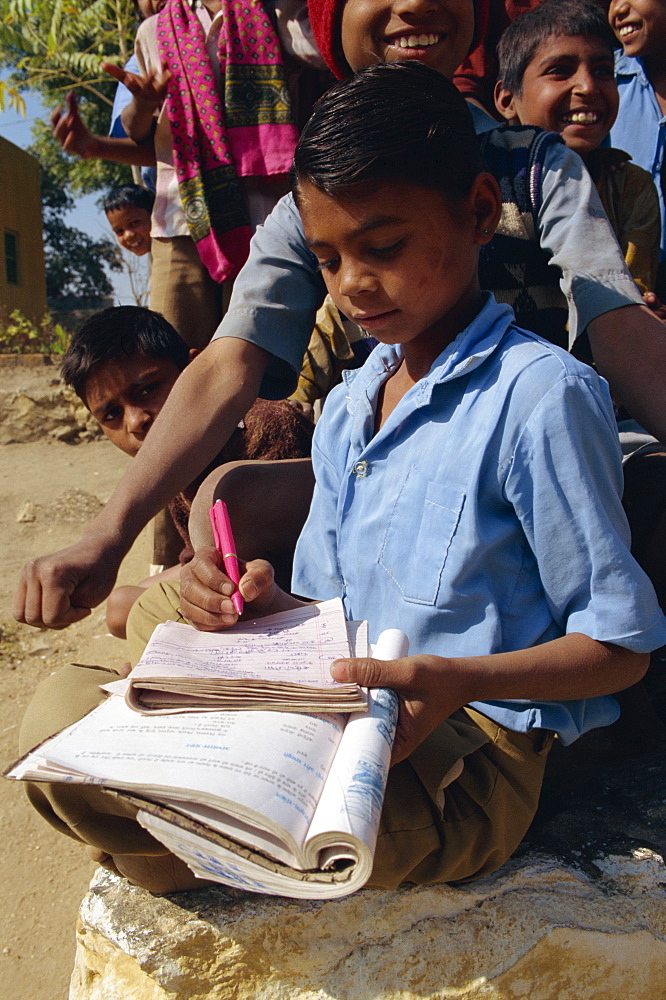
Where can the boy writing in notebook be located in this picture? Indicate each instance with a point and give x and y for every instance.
(510, 572)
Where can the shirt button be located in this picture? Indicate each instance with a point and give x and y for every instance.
(360, 469)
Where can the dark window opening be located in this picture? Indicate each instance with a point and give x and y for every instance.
(11, 258)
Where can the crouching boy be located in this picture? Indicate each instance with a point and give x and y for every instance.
(123, 363)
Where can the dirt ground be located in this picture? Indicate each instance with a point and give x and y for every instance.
(44, 875)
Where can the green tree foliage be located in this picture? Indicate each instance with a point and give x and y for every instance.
(75, 263)
(11, 96)
(53, 46)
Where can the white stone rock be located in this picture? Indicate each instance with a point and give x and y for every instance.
(538, 929)
(26, 513)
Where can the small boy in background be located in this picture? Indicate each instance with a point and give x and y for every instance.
(122, 364)
(640, 69)
(556, 66)
(129, 209)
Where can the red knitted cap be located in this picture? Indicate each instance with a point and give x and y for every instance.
(325, 20)
(325, 17)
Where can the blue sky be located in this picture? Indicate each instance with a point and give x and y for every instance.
(86, 216)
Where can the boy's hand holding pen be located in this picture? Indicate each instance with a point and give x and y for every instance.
(216, 584)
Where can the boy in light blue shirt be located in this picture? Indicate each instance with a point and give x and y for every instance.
(467, 489)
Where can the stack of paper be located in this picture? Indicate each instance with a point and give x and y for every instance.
(279, 663)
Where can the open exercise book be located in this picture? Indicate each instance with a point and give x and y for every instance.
(281, 662)
(273, 802)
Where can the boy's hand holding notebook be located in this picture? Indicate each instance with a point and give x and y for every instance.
(279, 663)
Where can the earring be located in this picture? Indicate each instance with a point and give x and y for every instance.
(486, 231)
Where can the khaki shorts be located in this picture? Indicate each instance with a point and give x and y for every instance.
(184, 292)
(433, 829)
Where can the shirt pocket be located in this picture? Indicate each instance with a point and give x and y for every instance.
(419, 533)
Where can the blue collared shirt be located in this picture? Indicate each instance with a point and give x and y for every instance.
(485, 515)
(640, 128)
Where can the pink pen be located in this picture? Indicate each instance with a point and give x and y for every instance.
(225, 545)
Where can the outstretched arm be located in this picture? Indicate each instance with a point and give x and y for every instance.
(275, 300)
(205, 405)
(431, 688)
(72, 133)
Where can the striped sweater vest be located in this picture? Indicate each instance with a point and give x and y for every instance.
(513, 266)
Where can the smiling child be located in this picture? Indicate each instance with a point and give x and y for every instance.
(640, 26)
(128, 209)
(557, 72)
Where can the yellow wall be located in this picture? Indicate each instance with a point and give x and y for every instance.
(21, 217)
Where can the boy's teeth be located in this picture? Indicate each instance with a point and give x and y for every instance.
(626, 30)
(416, 41)
(583, 118)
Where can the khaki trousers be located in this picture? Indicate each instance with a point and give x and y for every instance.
(184, 292)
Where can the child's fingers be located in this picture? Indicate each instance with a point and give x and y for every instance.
(374, 673)
(61, 129)
(652, 300)
(207, 569)
(202, 598)
(208, 621)
(163, 81)
(257, 579)
(43, 600)
(117, 72)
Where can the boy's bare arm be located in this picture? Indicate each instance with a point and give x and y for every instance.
(431, 688)
(210, 397)
(73, 134)
(629, 347)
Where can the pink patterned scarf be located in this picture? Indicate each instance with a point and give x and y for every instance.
(248, 132)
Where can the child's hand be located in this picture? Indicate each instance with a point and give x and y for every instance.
(428, 693)
(148, 91)
(655, 304)
(205, 590)
(70, 130)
